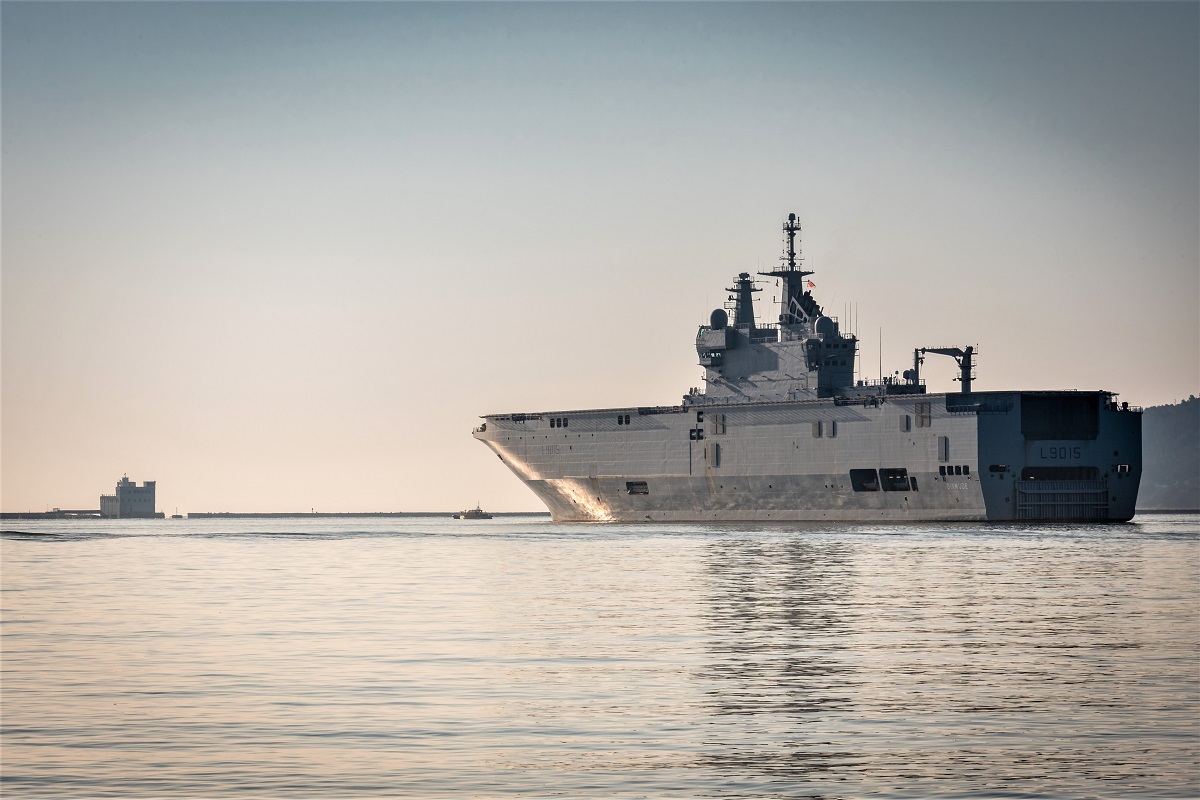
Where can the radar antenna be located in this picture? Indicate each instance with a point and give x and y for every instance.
(791, 228)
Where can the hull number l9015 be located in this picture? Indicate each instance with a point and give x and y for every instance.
(1061, 453)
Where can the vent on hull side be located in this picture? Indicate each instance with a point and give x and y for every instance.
(1062, 500)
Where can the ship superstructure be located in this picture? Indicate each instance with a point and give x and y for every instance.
(782, 431)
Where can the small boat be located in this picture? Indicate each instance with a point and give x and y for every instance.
(474, 513)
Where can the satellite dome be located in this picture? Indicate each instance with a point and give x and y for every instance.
(719, 319)
(826, 326)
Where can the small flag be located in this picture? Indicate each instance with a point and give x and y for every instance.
(812, 285)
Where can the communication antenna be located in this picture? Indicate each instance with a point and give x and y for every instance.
(796, 302)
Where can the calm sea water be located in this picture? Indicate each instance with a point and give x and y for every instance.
(427, 657)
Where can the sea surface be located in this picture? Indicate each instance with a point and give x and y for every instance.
(424, 657)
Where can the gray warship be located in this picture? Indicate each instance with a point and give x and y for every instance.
(781, 431)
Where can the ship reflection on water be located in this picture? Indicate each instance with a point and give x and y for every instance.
(942, 661)
(779, 657)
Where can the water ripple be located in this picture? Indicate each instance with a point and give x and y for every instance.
(518, 658)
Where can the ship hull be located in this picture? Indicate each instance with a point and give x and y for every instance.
(1033, 456)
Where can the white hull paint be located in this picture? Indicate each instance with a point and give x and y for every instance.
(772, 465)
(782, 432)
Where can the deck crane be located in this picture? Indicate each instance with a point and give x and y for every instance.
(964, 357)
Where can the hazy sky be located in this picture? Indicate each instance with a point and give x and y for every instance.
(283, 256)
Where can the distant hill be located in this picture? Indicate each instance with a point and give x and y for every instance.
(1171, 457)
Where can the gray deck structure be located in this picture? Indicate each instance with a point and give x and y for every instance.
(783, 432)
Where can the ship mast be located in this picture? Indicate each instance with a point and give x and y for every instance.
(796, 303)
(743, 302)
